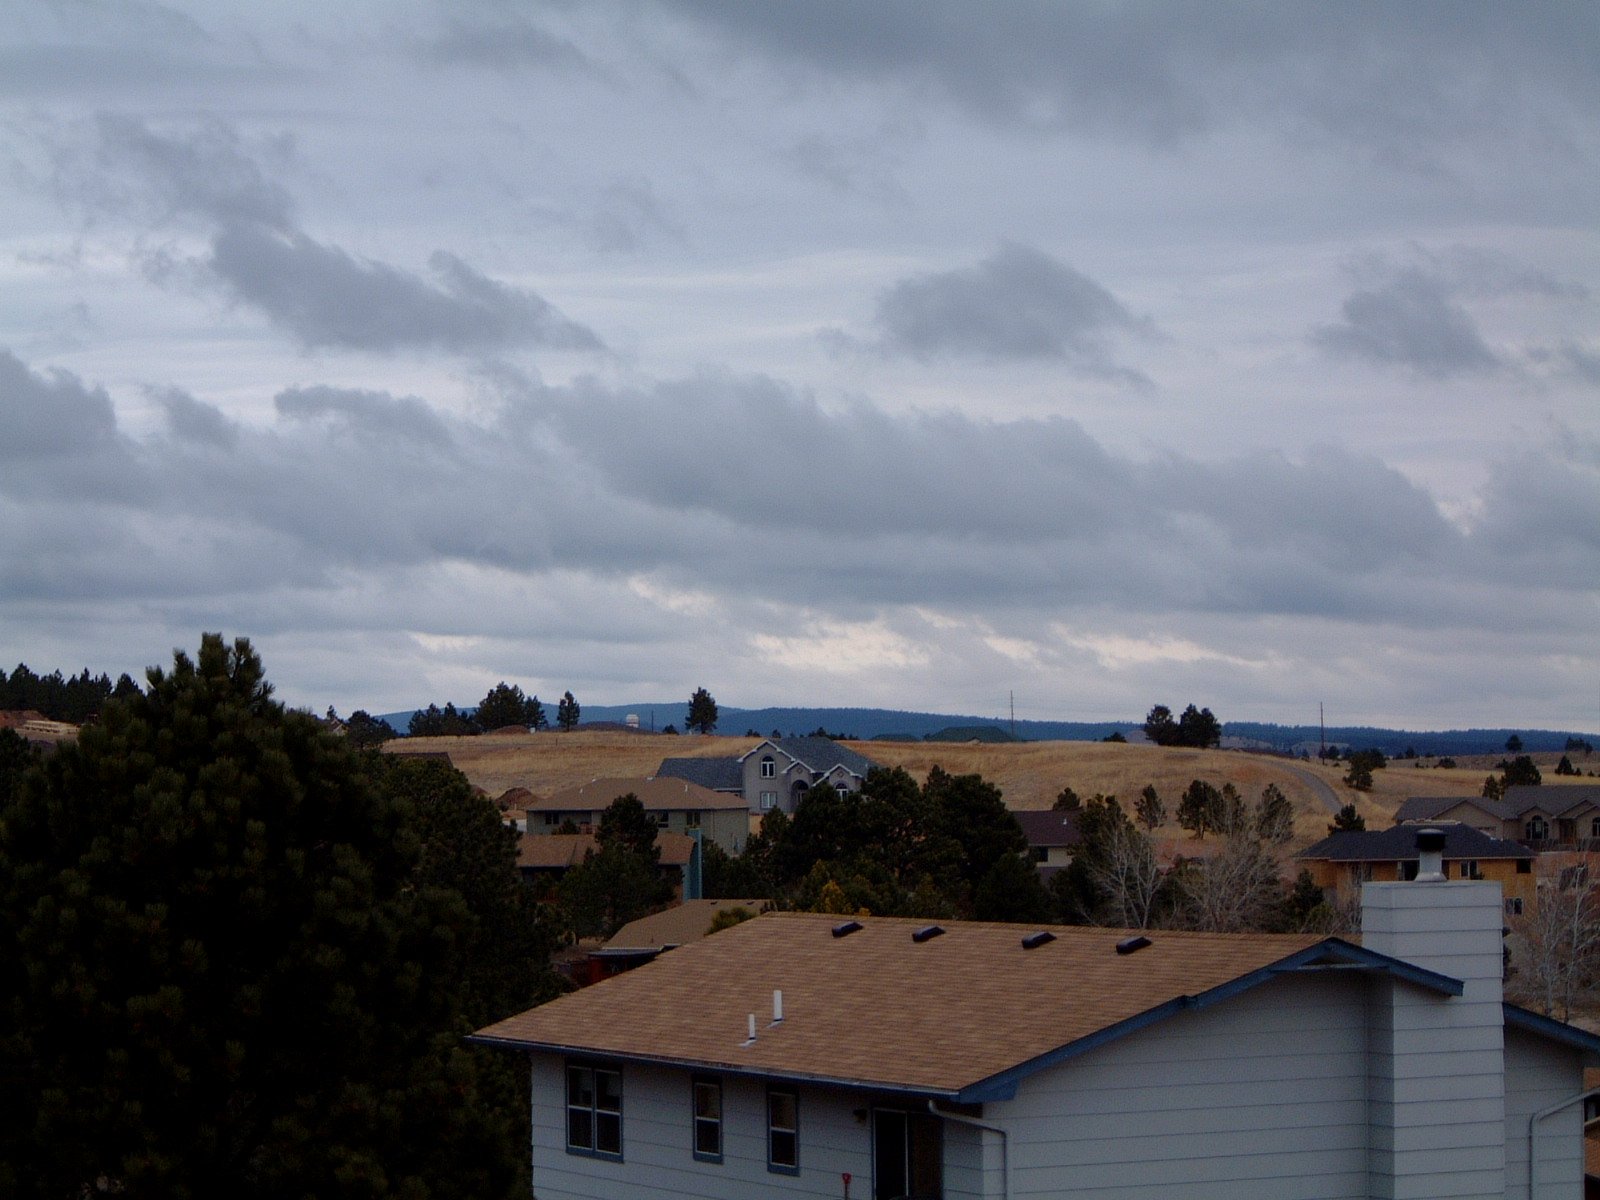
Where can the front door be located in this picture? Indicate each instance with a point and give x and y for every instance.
(907, 1156)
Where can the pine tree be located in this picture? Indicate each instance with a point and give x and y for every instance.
(567, 713)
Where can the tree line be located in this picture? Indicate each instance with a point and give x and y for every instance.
(75, 699)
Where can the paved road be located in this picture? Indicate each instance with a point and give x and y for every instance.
(1319, 787)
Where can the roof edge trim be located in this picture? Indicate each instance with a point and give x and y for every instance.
(1559, 1031)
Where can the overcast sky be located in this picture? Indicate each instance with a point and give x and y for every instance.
(904, 353)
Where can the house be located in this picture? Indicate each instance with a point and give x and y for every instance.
(1553, 816)
(642, 941)
(776, 773)
(1052, 836)
(542, 859)
(802, 1055)
(1341, 862)
(677, 806)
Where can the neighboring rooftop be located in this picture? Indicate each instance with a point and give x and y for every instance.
(962, 1014)
(818, 754)
(1555, 799)
(558, 851)
(676, 926)
(654, 792)
(1050, 828)
(1399, 844)
(718, 774)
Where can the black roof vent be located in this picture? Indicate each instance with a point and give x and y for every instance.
(1034, 940)
(846, 928)
(1130, 945)
(927, 932)
(1430, 839)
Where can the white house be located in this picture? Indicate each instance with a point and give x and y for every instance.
(805, 1055)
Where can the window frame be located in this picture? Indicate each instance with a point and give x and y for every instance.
(769, 767)
(793, 1132)
(691, 818)
(593, 1071)
(1513, 906)
(1469, 868)
(769, 801)
(696, 1121)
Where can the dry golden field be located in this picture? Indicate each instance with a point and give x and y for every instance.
(1030, 774)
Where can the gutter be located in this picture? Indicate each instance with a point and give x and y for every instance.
(1536, 1118)
(1005, 1142)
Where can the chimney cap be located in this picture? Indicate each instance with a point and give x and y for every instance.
(1430, 839)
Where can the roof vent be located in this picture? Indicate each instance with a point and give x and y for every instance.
(1132, 945)
(846, 928)
(926, 933)
(1034, 940)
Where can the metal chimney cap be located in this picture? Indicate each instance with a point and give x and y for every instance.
(1430, 839)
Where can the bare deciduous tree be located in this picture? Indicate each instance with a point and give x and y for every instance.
(1129, 876)
(1560, 941)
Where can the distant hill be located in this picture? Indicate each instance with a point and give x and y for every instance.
(869, 723)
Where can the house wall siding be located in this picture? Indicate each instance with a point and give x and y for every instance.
(1261, 1096)
(658, 1162)
(1540, 1073)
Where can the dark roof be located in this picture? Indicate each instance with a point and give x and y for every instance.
(1050, 828)
(1399, 844)
(818, 754)
(1427, 808)
(718, 774)
(1557, 799)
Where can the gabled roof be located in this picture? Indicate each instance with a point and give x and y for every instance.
(1428, 808)
(818, 754)
(1049, 828)
(965, 1014)
(718, 774)
(1557, 799)
(675, 926)
(558, 851)
(655, 793)
(1399, 844)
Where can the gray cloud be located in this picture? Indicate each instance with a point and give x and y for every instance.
(1016, 304)
(50, 417)
(366, 414)
(327, 297)
(507, 42)
(196, 421)
(1411, 322)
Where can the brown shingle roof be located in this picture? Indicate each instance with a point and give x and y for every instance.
(676, 926)
(654, 793)
(875, 1008)
(557, 851)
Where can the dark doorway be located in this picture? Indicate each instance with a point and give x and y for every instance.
(907, 1156)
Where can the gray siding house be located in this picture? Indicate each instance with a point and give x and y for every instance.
(801, 1055)
(676, 805)
(776, 773)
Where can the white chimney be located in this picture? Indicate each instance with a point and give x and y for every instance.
(777, 1006)
(1422, 1046)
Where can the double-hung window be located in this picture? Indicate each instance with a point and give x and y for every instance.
(783, 1131)
(769, 768)
(594, 1111)
(707, 1095)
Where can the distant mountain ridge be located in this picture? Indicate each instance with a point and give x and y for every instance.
(868, 723)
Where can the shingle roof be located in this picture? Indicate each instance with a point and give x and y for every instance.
(963, 1014)
(818, 754)
(1049, 828)
(1399, 844)
(557, 851)
(654, 793)
(676, 926)
(1428, 808)
(718, 774)
(1557, 799)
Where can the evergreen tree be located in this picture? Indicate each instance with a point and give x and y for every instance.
(1200, 808)
(567, 713)
(225, 975)
(363, 730)
(1347, 819)
(1149, 809)
(503, 705)
(1274, 816)
(702, 716)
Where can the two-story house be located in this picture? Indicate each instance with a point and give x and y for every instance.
(776, 773)
(676, 805)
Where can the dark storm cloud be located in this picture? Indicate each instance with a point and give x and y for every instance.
(1017, 304)
(750, 488)
(196, 421)
(1394, 79)
(1412, 321)
(325, 296)
(373, 414)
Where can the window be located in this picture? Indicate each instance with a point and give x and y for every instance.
(769, 768)
(661, 818)
(707, 1095)
(594, 1111)
(769, 800)
(783, 1131)
(1469, 869)
(552, 819)
(1524, 866)
(1514, 906)
(691, 820)
(1537, 829)
(1594, 828)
